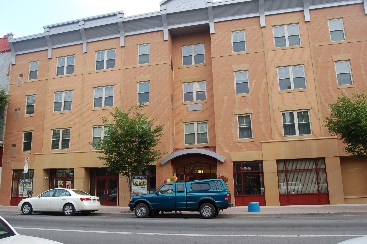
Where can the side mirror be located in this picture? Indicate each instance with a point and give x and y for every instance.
(157, 193)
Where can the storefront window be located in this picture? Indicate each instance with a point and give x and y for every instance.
(22, 183)
(145, 182)
(62, 178)
(249, 178)
(302, 176)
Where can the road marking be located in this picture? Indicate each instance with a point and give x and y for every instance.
(193, 235)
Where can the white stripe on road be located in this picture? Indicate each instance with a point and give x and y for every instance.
(193, 235)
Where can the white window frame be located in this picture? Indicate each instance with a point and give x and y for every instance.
(63, 93)
(26, 104)
(23, 141)
(104, 96)
(195, 89)
(296, 122)
(192, 54)
(104, 130)
(66, 65)
(61, 138)
(236, 81)
(105, 58)
(233, 41)
(246, 127)
(36, 63)
(291, 76)
(339, 72)
(330, 30)
(286, 35)
(140, 53)
(196, 124)
(139, 92)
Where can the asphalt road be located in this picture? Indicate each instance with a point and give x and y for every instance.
(190, 228)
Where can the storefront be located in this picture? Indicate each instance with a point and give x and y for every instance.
(62, 178)
(22, 185)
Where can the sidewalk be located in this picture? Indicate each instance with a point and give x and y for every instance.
(243, 210)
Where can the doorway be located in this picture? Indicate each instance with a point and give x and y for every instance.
(106, 187)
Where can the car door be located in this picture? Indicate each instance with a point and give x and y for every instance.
(59, 199)
(42, 202)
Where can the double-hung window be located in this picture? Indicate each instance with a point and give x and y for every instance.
(241, 82)
(343, 73)
(99, 134)
(65, 65)
(194, 91)
(144, 53)
(196, 133)
(60, 139)
(143, 92)
(193, 54)
(27, 141)
(238, 41)
(291, 77)
(105, 59)
(336, 29)
(286, 35)
(296, 123)
(244, 126)
(33, 70)
(103, 96)
(30, 101)
(63, 101)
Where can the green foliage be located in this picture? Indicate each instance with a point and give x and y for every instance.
(3, 99)
(129, 147)
(348, 121)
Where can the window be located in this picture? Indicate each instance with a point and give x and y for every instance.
(343, 73)
(241, 82)
(27, 141)
(336, 29)
(103, 96)
(291, 77)
(144, 52)
(248, 178)
(143, 92)
(301, 176)
(99, 134)
(193, 54)
(296, 123)
(286, 35)
(30, 100)
(62, 101)
(65, 65)
(33, 70)
(238, 41)
(196, 133)
(244, 126)
(105, 59)
(60, 139)
(194, 91)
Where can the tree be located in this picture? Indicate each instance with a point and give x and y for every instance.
(3, 99)
(130, 141)
(348, 121)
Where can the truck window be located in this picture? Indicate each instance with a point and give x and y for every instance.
(216, 185)
(180, 188)
(166, 189)
(200, 187)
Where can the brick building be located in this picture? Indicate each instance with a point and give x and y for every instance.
(242, 88)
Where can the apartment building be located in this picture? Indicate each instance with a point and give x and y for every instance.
(241, 87)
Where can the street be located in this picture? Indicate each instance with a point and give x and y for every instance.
(190, 228)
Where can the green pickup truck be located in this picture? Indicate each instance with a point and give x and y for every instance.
(206, 196)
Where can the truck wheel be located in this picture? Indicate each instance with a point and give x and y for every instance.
(207, 210)
(142, 210)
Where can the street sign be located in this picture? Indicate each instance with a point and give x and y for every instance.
(26, 160)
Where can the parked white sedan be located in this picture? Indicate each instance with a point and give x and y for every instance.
(67, 201)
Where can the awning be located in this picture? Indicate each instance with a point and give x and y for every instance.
(192, 151)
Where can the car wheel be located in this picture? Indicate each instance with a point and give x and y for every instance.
(68, 210)
(207, 210)
(142, 210)
(27, 208)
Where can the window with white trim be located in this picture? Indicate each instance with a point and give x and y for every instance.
(286, 35)
(144, 53)
(241, 82)
(238, 41)
(30, 101)
(193, 54)
(244, 126)
(196, 133)
(60, 139)
(100, 133)
(105, 59)
(65, 65)
(27, 141)
(336, 29)
(33, 70)
(63, 101)
(291, 77)
(296, 123)
(143, 92)
(194, 91)
(343, 73)
(103, 96)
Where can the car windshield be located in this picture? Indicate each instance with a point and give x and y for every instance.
(5, 230)
(81, 192)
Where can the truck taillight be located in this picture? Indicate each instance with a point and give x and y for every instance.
(226, 197)
(82, 199)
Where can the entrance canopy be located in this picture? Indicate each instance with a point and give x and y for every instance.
(192, 151)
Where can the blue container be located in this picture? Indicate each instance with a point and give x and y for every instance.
(253, 207)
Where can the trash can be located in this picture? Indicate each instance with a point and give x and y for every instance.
(253, 207)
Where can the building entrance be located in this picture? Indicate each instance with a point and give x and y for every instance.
(104, 184)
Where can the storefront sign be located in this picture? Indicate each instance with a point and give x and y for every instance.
(25, 185)
(139, 185)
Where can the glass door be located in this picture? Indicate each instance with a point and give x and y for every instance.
(107, 190)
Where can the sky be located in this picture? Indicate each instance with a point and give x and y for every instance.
(28, 17)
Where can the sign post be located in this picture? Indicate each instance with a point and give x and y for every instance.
(26, 161)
